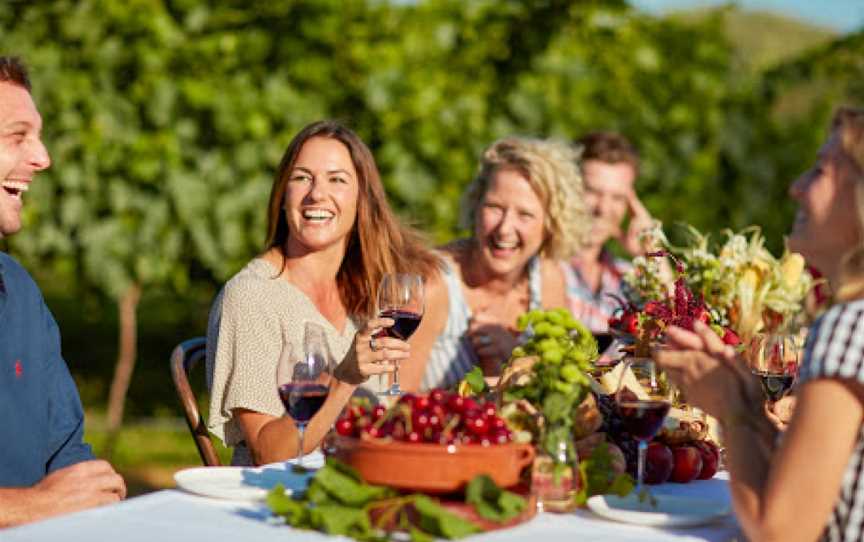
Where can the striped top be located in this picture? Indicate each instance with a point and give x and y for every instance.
(595, 308)
(452, 355)
(835, 349)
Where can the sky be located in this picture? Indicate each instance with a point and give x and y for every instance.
(842, 15)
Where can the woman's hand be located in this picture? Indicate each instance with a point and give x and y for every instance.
(491, 341)
(372, 353)
(708, 372)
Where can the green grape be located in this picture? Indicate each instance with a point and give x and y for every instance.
(535, 316)
(541, 329)
(570, 373)
(557, 331)
(522, 322)
(552, 356)
(564, 387)
(554, 318)
(571, 323)
(518, 352)
(548, 344)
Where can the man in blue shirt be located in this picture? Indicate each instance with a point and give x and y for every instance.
(45, 467)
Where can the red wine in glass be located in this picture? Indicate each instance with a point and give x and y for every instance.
(406, 323)
(642, 416)
(775, 385)
(400, 297)
(642, 419)
(302, 400)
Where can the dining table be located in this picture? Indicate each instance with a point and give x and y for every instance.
(175, 515)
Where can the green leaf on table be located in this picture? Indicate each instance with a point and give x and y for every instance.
(491, 502)
(436, 520)
(419, 536)
(342, 520)
(343, 488)
(294, 511)
(475, 379)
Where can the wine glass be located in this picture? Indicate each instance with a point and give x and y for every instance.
(643, 398)
(303, 384)
(400, 297)
(776, 365)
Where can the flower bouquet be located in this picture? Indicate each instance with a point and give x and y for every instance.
(739, 286)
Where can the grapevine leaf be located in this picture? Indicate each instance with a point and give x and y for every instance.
(436, 520)
(475, 379)
(492, 502)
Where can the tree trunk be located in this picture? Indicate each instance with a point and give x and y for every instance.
(127, 351)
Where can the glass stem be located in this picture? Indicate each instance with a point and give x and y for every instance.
(640, 466)
(395, 389)
(301, 429)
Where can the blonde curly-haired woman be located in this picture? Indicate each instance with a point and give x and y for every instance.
(525, 211)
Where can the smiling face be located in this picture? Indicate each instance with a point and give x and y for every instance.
(22, 153)
(607, 194)
(321, 197)
(510, 223)
(826, 225)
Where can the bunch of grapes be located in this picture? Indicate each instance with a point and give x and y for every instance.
(559, 340)
(440, 417)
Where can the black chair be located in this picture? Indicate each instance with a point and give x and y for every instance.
(183, 359)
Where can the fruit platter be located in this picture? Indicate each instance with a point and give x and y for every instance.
(548, 436)
(435, 443)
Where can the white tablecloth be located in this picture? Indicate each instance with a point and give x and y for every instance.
(175, 516)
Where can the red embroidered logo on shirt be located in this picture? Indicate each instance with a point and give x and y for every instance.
(19, 369)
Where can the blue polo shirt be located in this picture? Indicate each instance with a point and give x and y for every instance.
(41, 419)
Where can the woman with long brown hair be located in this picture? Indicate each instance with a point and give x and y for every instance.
(331, 236)
(809, 483)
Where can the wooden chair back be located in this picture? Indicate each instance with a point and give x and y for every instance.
(183, 359)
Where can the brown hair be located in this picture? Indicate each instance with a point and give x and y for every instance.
(848, 126)
(550, 168)
(379, 242)
(12, 70)
(608, 147)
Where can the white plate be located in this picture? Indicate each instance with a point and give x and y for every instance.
(668, 510)
(245, 483)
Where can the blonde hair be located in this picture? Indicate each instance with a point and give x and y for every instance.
(550, 167)
(848, 127)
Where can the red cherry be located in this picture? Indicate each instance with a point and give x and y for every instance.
(489, 410)
(630, 323)
(407, 399)
(470, 404)
(413, 437)
(422, 402)
(373, 431)
(345, 427)
(476, 423)
(356, 411)
(500, 436)
(378, 412)
(496, 423)
(420, 421)
(435, 421)
(438, 396)
(456, 403)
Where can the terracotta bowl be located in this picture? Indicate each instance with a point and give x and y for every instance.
(431, 468)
